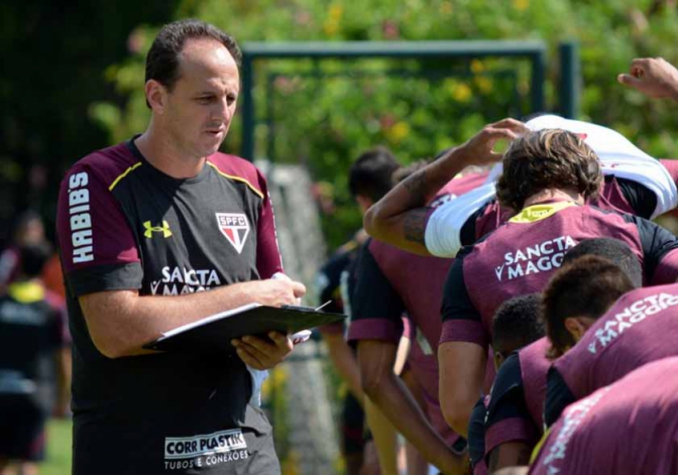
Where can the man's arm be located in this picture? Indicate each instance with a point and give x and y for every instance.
(63, 362)
(462, 370)
(121, 321)
(462, 353)
(386, 390)
(344, 360)
(654, 77)
(400, 217)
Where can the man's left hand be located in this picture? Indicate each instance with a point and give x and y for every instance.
(262, 354)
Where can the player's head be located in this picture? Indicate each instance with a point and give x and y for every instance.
(516, 323)
(192, 84)
(613, 249)
(371, 176)
(28, 229)
(547, 159)
(577, 295)
(32, 259)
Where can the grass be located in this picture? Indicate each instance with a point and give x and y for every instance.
(58, 461)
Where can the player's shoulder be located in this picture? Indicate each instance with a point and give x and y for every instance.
(106, 164)
(232, 167)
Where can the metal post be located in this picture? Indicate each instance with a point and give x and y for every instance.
(248, 119)
(537, 81)
(570, 80)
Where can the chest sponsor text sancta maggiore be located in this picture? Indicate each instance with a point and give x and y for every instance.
(544, 256)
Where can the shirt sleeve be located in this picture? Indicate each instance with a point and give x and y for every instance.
(660, 251)
(377, 308)
(558, 397)
(443, 235)
(269, 260)
(461, 319)
(508, 417)
(98, 249)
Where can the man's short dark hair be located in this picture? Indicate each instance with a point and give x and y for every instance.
(547, 159)
(586, 287)
(371, 174)
(32, 259)
(613, 249)
(517, 323)
(162, 60)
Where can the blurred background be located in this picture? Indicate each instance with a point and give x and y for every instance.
(72, 81)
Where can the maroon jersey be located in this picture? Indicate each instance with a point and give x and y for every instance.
(516, 401)
(124, 225)
(630, 427)
(392, 282)
(521, 255)
(642, 326)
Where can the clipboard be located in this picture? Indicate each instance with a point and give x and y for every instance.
(213, 334)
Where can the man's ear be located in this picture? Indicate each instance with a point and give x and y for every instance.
(577, 326)
(498, 360)
(363, 202)
(156, 95)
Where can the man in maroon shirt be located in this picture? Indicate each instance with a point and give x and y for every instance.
(600, 328)
(390, 283)
(145, 228)
(547, 178)
(629, 427)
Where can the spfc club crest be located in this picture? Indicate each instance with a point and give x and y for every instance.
(235, 227)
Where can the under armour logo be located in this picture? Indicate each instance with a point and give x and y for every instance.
(150, 229)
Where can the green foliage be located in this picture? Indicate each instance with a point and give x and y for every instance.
(325, 113)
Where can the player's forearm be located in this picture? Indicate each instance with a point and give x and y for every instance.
(345, 362)
(399, 218)
(394, 399)
(462, 370)
(121, 322)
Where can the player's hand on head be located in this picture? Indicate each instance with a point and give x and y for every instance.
(654, 77)
(261, 354)
(480, 149)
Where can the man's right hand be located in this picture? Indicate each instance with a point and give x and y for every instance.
(479, 149)
(654, 77)
(277, 292)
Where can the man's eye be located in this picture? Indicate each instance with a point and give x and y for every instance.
(205, 99)
(231, 98)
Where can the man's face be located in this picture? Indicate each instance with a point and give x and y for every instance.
(199, 108)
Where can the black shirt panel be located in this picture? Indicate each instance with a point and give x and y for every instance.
(507, 398)
(374, 295)
(656, 243)
(476, 433)
(642, 199)
(457, 304)
(558, 397)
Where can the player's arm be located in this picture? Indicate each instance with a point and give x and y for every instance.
(510, 432)
(400, 217)
(344, 360)
(558, 397)
(654, 77)
(462, 353)
(389, 393)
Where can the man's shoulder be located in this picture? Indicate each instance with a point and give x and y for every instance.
(108, 164)
(238, 169)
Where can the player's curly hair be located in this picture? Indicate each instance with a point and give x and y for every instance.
(547, 159)
(162, 60)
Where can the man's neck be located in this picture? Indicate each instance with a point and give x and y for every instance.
(554, 194)
(160, 152)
